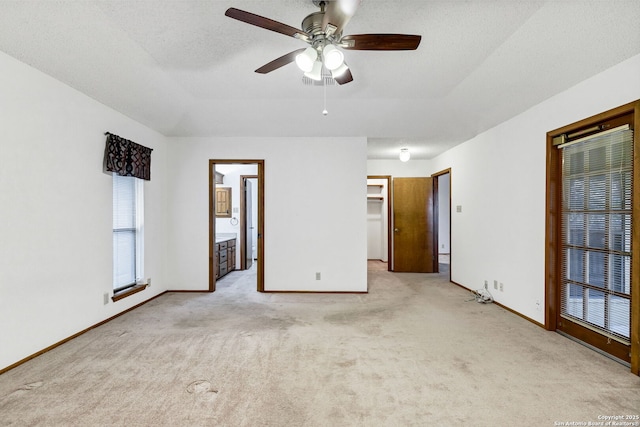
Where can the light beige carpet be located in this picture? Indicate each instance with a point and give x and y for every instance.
(415, 351)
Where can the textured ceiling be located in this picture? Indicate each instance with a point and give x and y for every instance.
(184, 69)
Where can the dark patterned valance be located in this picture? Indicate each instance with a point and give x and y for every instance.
(127, 158)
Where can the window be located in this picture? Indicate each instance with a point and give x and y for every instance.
(597, 176)
(592, 237)
(127, 231)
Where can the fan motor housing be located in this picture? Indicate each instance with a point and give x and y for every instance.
(312, 24)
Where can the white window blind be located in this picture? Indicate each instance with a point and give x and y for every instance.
(597, 188)
(127, 225)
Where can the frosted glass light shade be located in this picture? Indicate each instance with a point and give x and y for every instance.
(339, 71)
(306, 59)
(333, 57)
(404, 155)
(316, 71)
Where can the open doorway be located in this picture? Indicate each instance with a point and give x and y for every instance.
(379, 255)
(442, 217)
(236, 205)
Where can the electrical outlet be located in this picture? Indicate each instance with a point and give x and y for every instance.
(538, 308)
(149, 281)
(486, 285)
(318, 275)
(495, 284)
(501, 287)
(105, 298)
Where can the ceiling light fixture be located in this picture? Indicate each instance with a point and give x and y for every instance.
(307, 59)
(316, 71)
(333, 57)
(404, 155)
(324, 95)
(339, 71)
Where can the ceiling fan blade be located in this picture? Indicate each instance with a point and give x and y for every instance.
(381, 42)
(344, 78)
(338, 13)
(280, 62)
(266, 23)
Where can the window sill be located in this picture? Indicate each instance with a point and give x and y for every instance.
(128, 292)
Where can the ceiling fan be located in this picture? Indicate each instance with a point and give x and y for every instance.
(323, 32)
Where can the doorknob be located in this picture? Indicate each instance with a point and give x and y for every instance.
(396, 229)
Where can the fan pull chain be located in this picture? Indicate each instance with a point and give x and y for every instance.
(324, 90)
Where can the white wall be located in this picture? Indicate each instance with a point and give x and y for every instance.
(56, 211)
(398, 169)
(315, 210)
(444, 213)
(498, 178)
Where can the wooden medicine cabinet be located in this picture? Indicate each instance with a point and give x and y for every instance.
(223, 202)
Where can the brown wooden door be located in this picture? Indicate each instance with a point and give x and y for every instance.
(413, 248)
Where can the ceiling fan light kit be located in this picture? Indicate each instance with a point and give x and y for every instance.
(307, 59)
(325, 78)
(333, 57)
(316, 71)
(323, 32)
(339, 71)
